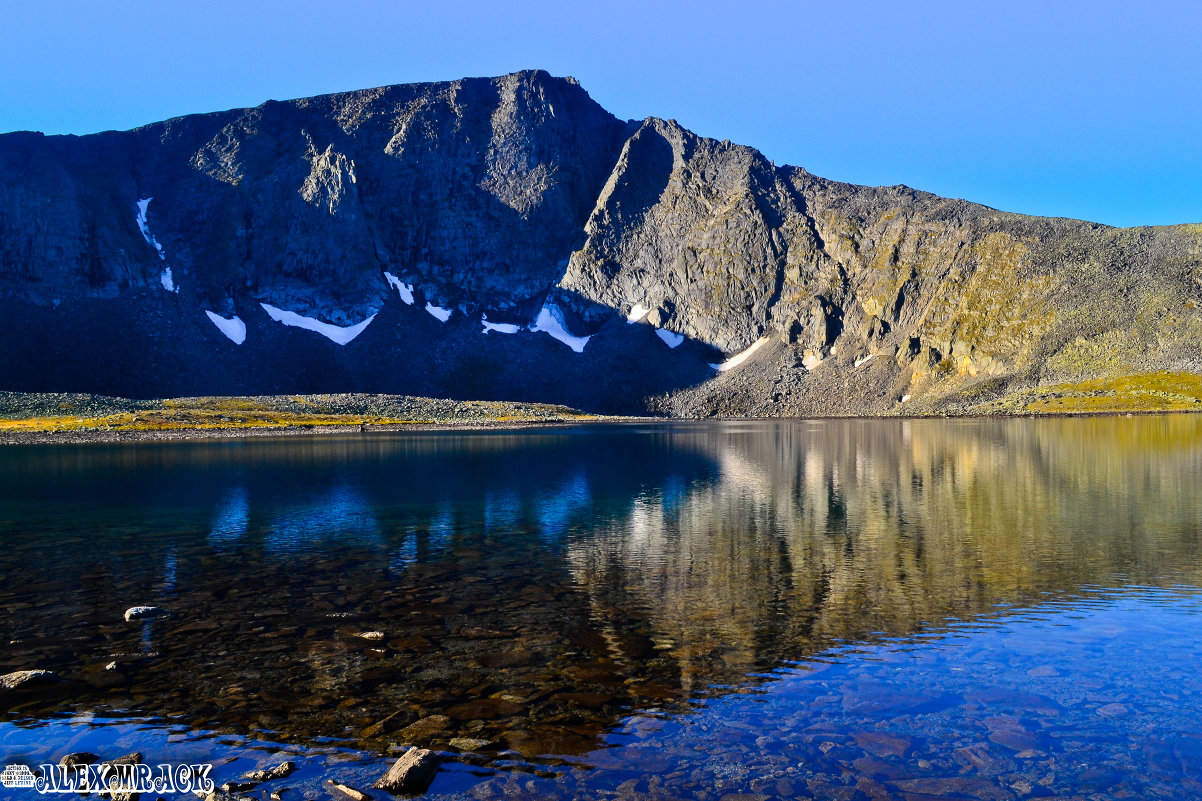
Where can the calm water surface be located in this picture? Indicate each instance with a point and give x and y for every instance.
(835, 609)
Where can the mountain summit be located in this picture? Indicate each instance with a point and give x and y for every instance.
(508, 238)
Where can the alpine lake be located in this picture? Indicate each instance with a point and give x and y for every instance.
(985, 609)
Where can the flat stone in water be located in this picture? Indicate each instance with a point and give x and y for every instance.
(954, 787)
(881, 744)
(469, 743)
(387, 725)
(28, 679)
(144, 612)
(485, 709)
(424, 729)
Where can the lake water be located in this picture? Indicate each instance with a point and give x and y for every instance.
(921, 609)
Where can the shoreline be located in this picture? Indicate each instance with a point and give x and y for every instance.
(115, 436)
(81, 437)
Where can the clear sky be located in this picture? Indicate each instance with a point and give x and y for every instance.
(1075, 109)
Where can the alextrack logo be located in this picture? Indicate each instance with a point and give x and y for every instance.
(124, 778)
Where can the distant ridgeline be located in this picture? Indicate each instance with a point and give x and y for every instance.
(509, 239)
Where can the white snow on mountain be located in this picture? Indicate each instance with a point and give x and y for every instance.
(437, 311)
(404, 290)
(233, 328)
(550, 321)
(500, 328)
(144, 226)
(670, 338)
(335, 333)
(739, 358)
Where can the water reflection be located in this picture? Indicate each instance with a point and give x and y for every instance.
(535, 589)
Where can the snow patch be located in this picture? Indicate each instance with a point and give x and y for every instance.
(637, 312)
(905, 398)
(670, 338)
(442, 314)
(335, 333)
(233, 328)
(862, 359)
(166, 280)
(739, 358)
(144, 226)
(500, 328)
(404, 290)
(550, 320)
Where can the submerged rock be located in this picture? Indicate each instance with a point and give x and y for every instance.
(280, 771)
(469, 743)
(412, 773)
(347, 790)
(424, 729)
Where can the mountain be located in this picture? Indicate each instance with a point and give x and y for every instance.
(510, 239)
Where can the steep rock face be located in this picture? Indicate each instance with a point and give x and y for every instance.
(437, 233)
(473, 189)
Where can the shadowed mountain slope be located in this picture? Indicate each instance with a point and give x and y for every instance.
(510, 239)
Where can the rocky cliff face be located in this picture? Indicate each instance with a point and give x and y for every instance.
(510, 239)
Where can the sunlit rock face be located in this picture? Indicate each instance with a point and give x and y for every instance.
(517, 199)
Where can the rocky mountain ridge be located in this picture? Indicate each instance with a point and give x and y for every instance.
(509, 239)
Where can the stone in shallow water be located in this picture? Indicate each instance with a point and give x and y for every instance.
(278, 772)
(423, 729)
(412, 773)
(27, 679)
(351, 792)
(502, 659)
(1043, 671)
(954, 787)
(881, 744)
(1011, 733)
(134, 758)
(144, 612)
(585, 699)
(485, 709)
(469, 743)
(388, 724)
(78, 758)
(981, 759)
(237, 787)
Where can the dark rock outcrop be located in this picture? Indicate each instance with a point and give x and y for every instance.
(187, 257)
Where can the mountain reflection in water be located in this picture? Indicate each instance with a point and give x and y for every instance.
(534, 589)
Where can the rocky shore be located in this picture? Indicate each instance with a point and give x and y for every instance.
(37, 418)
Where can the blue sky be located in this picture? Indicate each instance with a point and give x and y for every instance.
(1075, 109)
